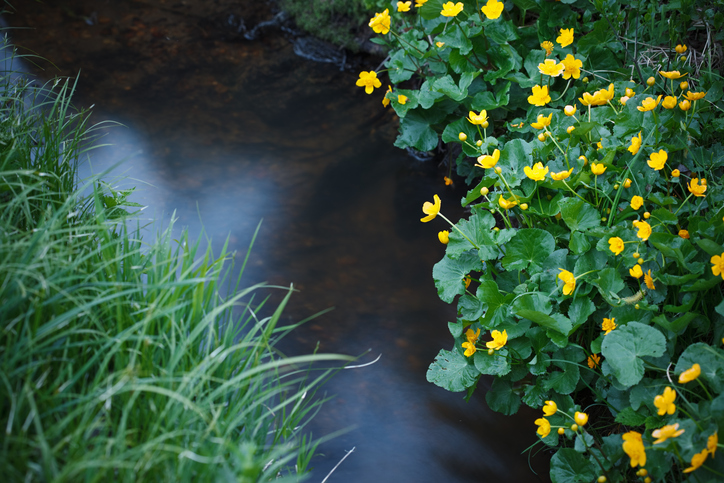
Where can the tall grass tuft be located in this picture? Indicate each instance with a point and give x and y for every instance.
(120, 360)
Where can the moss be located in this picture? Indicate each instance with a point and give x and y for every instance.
(336, 21)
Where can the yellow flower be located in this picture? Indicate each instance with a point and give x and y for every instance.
(637, 202)
(697, 189)
(551, 67)
(630, 92)
(470, 344)
(636, 271)
(430, 209)
(649, 281)
(469, 348)
(505, 204)
(565, 38)
(467, 281)
(717, 267)
(420, 3)
(488, 161)
(542, 121)
(649, 104)
(386, 100)
(685, 105)
(697, 460)
(572, 67)
(598, 168)
(550, 408)
(608, 325)
(439, 44)
(450, 9)
(569, 111)
(401, 98)
(569, 281)
(627, 183)
(561, 175)
(403, 6)
(580, 418)
(690, 374)
(540, 96)
(594, 360)
(369, 81)
(665, 402)
(499, 340)
(658, 160)
(544, 427)
(477, 118)
(644, 229)
(666, 432)
(615, 244)
(684, 234)
(669, 102)
(380, 23)
(447, 180)
(675, 173)
(537, 172)
(674, 74)
(548, 47)
(680, 49)
(633, 446)
(711, 443)
(444, 237)
(493, 9)
(694, 96)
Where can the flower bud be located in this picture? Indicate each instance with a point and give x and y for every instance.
(541, 137)
(604, 219)
(602, 479)
(685, 105)
(616, 186)
(581, 418)
(647, 215)
(637, 306)
(444, 237)
(624, 100)
(683, 85)
(682, 58)
(491, 352)
(675, 173)
(637, 255)
(484, 191)
(642, 472)
(647, 479)
(570, 129)
(524, 206)
(498, 169)
(585, 80)
(650, 81)
(574, 427)
(640, 261)
(561, 431)
(583, 158)
(462, 136)
(478, 143)
(485, 125)
(569, 110)
(627, 183)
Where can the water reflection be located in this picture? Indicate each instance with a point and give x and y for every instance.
(226, 133)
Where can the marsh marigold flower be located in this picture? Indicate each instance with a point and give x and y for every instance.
(572, 67)
(675, 173)
(694, 96)
(633, 446)
(380, 23)
(636, 271)
(477, 119)
(580, 418)
(644, 229)
(469, 345)
(551, 67)
(717, 267)
(450, 9)
(649, 104)
(544, 427)
(547, 46)
(569, 281)
(608, 325)
(674, 74)
(537, 172)
(488, 161)
(505, 204)
(697, 460)
(680, 48)
(499, 340)
(550, 408)
(697, 189)
(637, 202)
(684, 234)
(649, 280)
(444, 237)
(669, 102)
(598, 168)
(635, 144)
(657, 160)
(401, 99)
(493, 9)
(561, 175)
(430, 209)
(594, 360)
(615, 244)
(685, 105)
(711, 443)
(386, 100)
(540, 96)
(369, 81)
(565, 38)
(690, 374)
(666, 432)
(542, 121)
(420, 3)
(403, 6)
(665, 402)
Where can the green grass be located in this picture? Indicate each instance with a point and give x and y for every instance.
(121, 360)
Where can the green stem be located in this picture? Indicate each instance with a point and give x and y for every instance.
(458, 230)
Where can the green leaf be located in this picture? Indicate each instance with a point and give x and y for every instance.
(456, 328)
(624, 347)
(563, 382)
(629, 417)
(505, 58)
(710, 247)
(677, 325)
(536, 307)
(446, 85)
(455, 37)
(415, 131)
(452, 371)
(476, 229)
(493, 365)
(502, 398)
(496, 305)
(401, 67)
(579, 215)
(711, 361)
(470, 308)
(501, 31)
(513, 157)
(448, 275)
(609, 282)
(579, 311)
(579, 243)
(664, 216)
(570, 466)
(529, 247)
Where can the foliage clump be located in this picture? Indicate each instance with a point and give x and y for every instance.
(339, 22)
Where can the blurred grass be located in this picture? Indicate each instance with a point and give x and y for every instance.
(121, 360)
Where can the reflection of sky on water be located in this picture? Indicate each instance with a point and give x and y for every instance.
(226, 134)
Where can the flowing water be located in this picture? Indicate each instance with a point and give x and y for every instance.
(226, 131)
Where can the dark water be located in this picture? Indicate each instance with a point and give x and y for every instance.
(225, 132)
